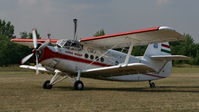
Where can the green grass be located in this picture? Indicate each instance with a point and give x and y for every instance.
(20, 91)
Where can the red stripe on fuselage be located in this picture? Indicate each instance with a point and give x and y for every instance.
(164, 45)
(47, 54)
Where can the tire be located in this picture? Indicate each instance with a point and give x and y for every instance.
(152, 85)
(47, 85)
(78, 85)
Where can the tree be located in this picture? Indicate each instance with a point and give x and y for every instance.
(99, 33)
(186, 47)
(10, 53)
(26, 35)
(6, 29)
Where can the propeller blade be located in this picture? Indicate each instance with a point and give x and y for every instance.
(26, 58)
(37, 63)
(34, 35)
(43, 45)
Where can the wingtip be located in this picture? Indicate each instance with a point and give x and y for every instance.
(166, 28)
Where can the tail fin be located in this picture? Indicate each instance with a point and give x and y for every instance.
(159, 56)
(163, 67)
(158, 49)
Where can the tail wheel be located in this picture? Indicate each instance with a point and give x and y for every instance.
(78, 85)
(152, 85)
(47, 85)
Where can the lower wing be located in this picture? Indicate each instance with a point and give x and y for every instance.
(132, 68)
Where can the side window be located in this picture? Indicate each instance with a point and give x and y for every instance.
(97, 58)
(116, 62)
(91, 57)
(86, 55)
(102, 59)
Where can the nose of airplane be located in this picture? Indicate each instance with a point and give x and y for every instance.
(46, 53)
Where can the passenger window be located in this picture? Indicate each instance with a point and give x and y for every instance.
(86, 55)
(91, 57)
(116, 62)
(102, 59)
(97, 58)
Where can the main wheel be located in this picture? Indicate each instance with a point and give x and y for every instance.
(78, 85)
(152, 85)
(47, 85)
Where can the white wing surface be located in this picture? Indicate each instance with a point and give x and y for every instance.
(139, 37)
(33, 67)
(133, 68)
(29, 42)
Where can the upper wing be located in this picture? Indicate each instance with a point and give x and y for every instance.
(29, 42)
(170, 57)
(133, 68)
(139, 37)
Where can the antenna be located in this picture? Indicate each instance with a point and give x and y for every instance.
(75, 29)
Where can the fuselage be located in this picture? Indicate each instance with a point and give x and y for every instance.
(71, 60)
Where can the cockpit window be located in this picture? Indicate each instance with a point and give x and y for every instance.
(70, 44)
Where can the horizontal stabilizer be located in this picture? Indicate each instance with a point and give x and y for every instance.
(170, 57)
(132, 68)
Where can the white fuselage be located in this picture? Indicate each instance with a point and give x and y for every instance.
(71, 60)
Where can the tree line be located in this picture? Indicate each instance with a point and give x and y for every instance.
(11, 53)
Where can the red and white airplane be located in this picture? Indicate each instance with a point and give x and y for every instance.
(94, 57)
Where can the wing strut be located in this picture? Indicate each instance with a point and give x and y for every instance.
(129, 54)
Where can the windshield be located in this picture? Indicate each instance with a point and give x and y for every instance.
(69, 44)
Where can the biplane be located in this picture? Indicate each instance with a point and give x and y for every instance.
(95, 57)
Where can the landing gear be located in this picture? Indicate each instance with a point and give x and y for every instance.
(47, 85)
(78, 85)
(152, 84)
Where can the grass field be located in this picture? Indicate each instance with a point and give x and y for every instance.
(20, 91)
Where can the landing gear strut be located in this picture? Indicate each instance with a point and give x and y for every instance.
(152, 84)
(78, 84)
(48, 84)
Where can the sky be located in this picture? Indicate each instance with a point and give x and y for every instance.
(114, 16)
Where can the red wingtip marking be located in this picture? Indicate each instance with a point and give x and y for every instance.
(31, 40)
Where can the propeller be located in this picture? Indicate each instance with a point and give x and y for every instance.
(34, 36)
(25, 59)
(35, 50)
